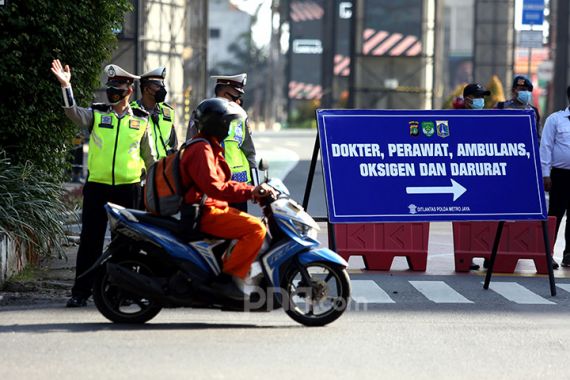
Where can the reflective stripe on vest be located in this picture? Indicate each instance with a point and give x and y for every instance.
(233, 154)
(114, 148)
(159, 135)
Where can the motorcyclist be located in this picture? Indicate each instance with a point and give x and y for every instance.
(205, 171)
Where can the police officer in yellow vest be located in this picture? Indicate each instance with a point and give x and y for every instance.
(118, 141)
(239, 150)
(162, 133)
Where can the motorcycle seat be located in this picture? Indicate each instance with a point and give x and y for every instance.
(166, 222)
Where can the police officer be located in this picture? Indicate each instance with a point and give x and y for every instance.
(239, 151)
(521, 97)
(162, 133)
(118, 141)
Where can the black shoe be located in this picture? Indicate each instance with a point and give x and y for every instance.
(228, 289)
(474, 266)
(555, 264)
(486, 263)
(565, 260)
(76, 301)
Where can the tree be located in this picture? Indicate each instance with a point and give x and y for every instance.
(33, 126)
(251, 59)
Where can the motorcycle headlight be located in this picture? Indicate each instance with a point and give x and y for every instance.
(305, 230)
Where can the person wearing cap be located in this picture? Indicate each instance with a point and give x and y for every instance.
(118, 141)
(474, 96)
(161, 132)
(473, 99)
(521, 97)
(239, 151)
(555, 162)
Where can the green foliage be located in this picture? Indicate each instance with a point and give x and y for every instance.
(303, 117)
(33, 126)
(31, 207)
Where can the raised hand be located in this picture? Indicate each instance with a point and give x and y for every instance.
(62, 74)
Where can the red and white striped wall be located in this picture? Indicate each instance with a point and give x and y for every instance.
(306, 11)
(300, 90)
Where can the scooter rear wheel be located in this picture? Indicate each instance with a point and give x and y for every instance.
(322, 300)
(121, 306)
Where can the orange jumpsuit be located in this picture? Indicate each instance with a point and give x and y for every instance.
(204, 170)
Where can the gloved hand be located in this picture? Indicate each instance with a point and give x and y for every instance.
(263, 191)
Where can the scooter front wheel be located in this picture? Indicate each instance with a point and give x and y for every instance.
(119, 305)
(316, 294)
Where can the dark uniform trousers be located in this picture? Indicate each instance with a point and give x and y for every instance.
(94, 220)
(559, 200)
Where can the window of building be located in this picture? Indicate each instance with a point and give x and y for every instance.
(215, 33)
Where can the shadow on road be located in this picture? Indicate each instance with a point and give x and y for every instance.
(93, 327)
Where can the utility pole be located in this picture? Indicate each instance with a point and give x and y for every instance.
(195, 65)
(273, 67)
(327, 57)
(356, 28)
(560, 82)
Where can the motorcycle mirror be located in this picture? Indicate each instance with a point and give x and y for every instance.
(264, 166)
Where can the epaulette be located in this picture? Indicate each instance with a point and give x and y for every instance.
(101, 107)
(139, 112)
(168, 105)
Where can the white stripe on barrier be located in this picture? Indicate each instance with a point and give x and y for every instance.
(518, 294)
(439, 292)
(368, 291)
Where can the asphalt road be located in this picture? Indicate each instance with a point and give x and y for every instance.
(400, 324)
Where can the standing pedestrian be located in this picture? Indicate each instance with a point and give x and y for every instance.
(521, 98)
(118, 141)
(161, 131)
(239, 151)
(555, 160)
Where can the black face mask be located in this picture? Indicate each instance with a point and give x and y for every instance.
(235, 98)
(160, 95)
(115, 95)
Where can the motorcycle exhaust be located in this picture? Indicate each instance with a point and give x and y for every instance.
(134, 282)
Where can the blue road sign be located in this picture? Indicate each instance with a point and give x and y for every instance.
(533, 12)
(445, 165)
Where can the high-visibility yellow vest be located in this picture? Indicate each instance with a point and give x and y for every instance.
(233, 154)
(159, 133)
(114, 146)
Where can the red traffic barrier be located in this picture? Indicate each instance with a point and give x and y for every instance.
(520, 240)
(379, 243)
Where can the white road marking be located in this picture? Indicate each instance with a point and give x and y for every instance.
(368, 291)
(439, 292)
(518, 294)
(564, 287)
(281, 161)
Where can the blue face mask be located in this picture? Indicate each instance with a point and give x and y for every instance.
(478, 103)
(523, 97)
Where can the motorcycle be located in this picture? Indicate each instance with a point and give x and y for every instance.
(150, 265)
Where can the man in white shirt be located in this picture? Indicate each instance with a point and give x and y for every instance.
(555, 160)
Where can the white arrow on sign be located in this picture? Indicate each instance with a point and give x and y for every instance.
(456, 189)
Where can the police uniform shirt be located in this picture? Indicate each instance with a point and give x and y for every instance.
(555, 142)
(83, 117)
(247, 146)
(172, 140)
